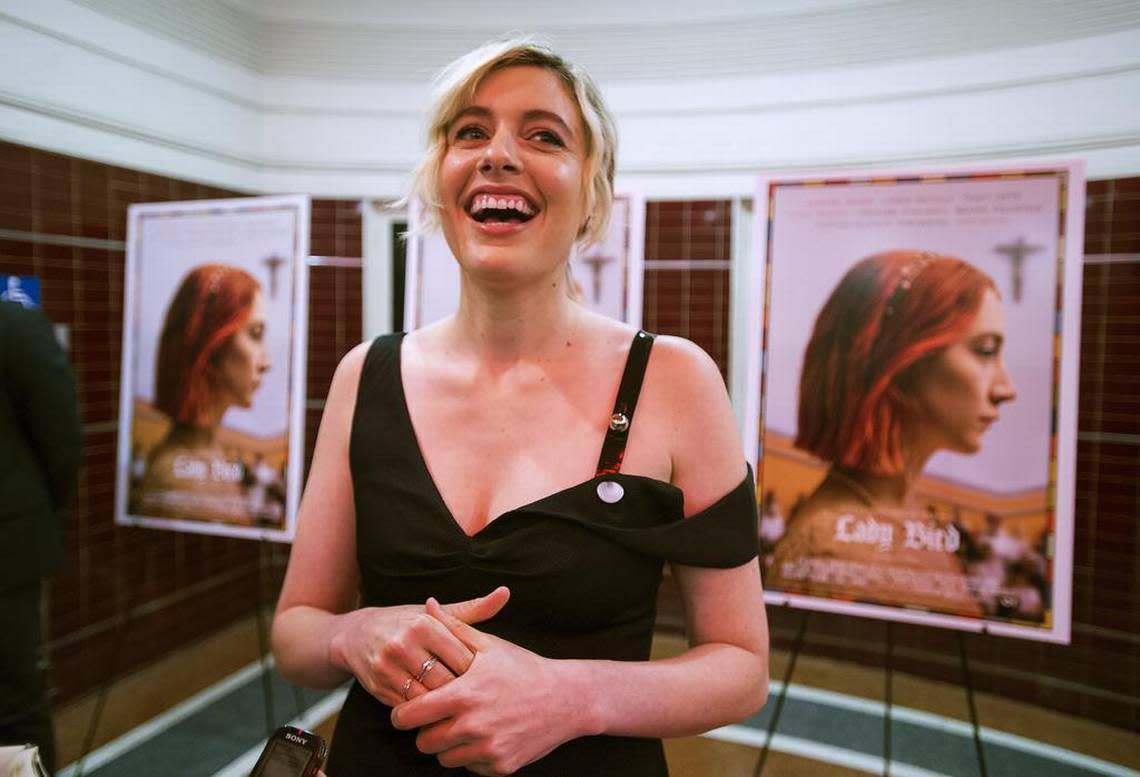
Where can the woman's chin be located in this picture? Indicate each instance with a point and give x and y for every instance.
(966, 446)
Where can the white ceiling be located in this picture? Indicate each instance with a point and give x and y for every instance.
(615, 39)
(528, 13)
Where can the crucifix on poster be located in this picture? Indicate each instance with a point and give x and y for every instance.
(915, 416)
(607, 274)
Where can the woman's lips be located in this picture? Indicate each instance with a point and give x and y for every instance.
(498, 228)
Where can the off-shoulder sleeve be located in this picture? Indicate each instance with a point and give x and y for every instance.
(722, 535)
(648, 518)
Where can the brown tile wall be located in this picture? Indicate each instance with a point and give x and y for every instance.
(176, 587)
(179, 587)
(692, 303)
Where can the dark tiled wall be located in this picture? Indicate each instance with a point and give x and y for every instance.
(128, 595)
(681, 296)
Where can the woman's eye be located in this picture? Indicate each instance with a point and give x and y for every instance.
(987, 348)
(548, 136)
(470, 132)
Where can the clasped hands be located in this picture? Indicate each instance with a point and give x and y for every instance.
(484, 703)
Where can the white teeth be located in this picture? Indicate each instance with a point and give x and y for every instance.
(484, 201)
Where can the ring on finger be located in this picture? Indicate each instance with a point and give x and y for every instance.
(407, 687)
(426, 667)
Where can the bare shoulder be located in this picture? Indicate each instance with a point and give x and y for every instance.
(341, 401)
(353, 362)
(683, 368)
(686, 393)
(347, 376)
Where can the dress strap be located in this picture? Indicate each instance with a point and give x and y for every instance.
(613, 447)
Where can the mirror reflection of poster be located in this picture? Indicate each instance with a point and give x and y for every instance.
(917, 424)
(607, 274)
(212, 394)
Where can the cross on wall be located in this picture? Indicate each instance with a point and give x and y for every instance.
(596, 262)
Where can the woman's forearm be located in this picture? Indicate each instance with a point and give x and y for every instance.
(708, 686)
(301, 640)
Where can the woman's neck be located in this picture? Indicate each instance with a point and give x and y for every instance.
(505, 326)
(189, 436)
(893, 490)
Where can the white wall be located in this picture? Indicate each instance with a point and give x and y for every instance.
(91, 85)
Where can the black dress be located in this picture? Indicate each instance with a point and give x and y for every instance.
(583, 566)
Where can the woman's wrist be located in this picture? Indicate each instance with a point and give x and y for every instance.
(577, 691)
(337, 653)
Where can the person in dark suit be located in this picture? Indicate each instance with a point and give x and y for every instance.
(40, 446)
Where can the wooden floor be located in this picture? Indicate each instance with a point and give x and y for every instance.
(147, 694)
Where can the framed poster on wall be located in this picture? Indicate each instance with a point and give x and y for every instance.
(211, 421)
(608, 274)
(916, 410)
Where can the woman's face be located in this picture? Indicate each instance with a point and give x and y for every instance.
(243, 360)
(511, 179)
(959, 389)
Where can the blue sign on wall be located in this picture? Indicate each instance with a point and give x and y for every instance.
(24, 289)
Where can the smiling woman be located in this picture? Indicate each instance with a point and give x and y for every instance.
(494, 455)
(905, 360)
(536, 184)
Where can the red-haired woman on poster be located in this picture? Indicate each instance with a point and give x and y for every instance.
(211, 357)
(905, 360)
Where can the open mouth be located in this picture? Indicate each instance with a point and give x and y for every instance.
(493, 209)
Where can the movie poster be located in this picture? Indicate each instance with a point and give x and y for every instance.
(607, 274)
(212, 394)
(917, 405)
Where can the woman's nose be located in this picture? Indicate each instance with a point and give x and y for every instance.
(1002, 389)
(500, 154)
(264, 363)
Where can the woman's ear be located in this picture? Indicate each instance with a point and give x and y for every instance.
(585, 228)
(588, 208)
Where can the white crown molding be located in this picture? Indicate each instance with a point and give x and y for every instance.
(304, 95)
(622, 39)
(527, 13)
(214, 28)
(79, 27)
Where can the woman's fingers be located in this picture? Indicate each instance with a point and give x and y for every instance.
(427, 656)
(447, 647)
(480, 609)
(433, 673)
(414, 652)
(468, 635)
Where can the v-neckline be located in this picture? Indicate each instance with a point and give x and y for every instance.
(426, 471)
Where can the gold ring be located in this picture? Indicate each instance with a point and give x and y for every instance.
(407, 687)
(426, 667)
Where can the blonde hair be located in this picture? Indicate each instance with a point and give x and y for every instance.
(454, 89)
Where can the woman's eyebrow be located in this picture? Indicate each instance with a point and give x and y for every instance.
(548, 116)
(472, 110)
